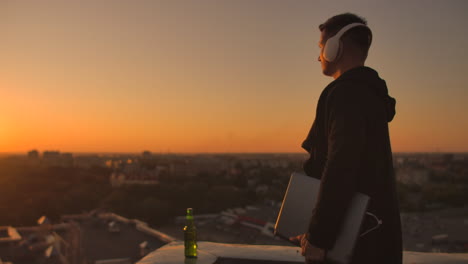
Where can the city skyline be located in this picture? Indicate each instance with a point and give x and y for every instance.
(216, 76)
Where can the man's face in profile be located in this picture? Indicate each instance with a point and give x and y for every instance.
(328, 68)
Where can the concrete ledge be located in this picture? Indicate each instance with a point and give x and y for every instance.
(173, 253)
(218, 253)
(210, 253)
(253, 252)
(411, 257)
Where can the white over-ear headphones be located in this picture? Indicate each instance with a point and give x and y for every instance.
(332, 46)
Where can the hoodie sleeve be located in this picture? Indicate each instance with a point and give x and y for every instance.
(346, 140)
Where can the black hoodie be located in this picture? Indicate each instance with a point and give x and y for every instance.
(350, 152)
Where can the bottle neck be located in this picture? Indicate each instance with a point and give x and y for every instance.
(189, 217)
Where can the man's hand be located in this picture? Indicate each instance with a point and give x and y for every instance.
(312, 254)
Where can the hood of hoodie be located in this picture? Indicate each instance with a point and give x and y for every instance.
(371, 77)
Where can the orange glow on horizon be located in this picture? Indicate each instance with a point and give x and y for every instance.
(35, 122)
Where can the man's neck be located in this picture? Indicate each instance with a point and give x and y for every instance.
(346, 67)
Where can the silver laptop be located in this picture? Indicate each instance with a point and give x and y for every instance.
(296, 211)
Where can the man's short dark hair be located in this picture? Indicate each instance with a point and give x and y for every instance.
(361, 36)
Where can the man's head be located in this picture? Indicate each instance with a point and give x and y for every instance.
(354, 43)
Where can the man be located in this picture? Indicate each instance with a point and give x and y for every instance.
(349, 148)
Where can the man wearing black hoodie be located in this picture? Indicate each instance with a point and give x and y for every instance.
(349, 147)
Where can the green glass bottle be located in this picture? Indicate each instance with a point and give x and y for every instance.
(190, 235)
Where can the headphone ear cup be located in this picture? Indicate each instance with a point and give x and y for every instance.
(331, 49)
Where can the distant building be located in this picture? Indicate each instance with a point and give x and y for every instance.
(147, 154)
(49, 154)
(67, 159)
(57, 159)
(181, 168)
(93, 161)
(51, 158)
(33, 159)
(141, 177)
(33, 154)
(417, 176)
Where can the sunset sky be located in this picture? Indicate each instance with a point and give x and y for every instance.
(216, 75)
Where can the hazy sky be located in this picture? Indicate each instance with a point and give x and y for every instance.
(216, 76)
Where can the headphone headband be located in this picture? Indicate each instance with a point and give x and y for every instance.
(332, 45)
(346, 28)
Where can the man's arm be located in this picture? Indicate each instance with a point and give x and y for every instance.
(346, 143)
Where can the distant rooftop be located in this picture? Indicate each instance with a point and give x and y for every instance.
(8, 234)
(107, 236)
(97, 237)
(101, 244)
